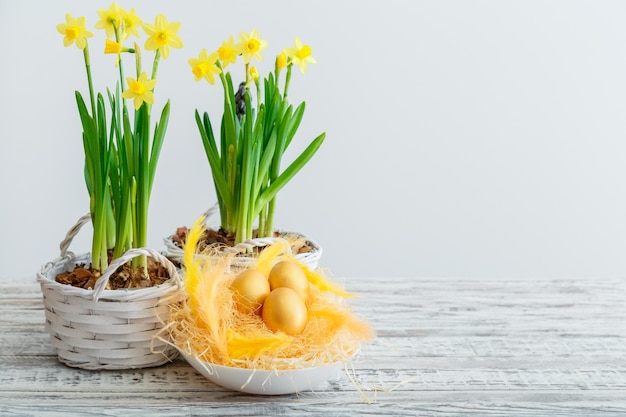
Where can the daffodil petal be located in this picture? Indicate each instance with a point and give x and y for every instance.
(151, 45)
(160, 21)
(175, 41)
(149, 29)
(173, 27)
(148, 97)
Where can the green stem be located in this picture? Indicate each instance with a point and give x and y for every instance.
(155, 64)
(89, 80)
(224, 82)
(228, 152)
(143, 183)
(110, 220)
(135, 212)
(119, 62)
(269, 218)
(99, 244)
(232, 174)
(155, 68)
(287, 81)
(262, 226)
(258, 94)
(244, 231)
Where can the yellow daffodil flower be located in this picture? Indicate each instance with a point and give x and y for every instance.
(117, 19)
(110, 20)
(281, 61)
(162, 36)
(131, 23)
(300, 55)
(112, 47)
(228, 52)
(74, 31)
(204, 66)
(140, 90)
(251, 46)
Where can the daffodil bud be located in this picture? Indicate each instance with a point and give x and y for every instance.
(281, 61)
(137, 58)
(254, 74)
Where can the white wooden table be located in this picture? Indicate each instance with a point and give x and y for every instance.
(445, 347)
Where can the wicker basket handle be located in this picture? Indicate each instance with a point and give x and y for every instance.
(102, 282)
(210, 212)
(65, 243)
(257, 243)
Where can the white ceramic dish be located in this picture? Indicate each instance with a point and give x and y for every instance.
(263, 382)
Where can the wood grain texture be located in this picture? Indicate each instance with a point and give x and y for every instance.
(444, 347)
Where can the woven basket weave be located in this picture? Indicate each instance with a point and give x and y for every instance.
(310, 259)
(108, 329)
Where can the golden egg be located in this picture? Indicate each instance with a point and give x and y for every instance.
(288, 274)
(284, 310)
(251, 288)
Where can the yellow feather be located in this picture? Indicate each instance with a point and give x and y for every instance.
(192, 269)
(253, 345)
(320, 281)
(202, 279)
(270, 255)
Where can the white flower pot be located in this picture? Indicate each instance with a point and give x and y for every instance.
(108, 329)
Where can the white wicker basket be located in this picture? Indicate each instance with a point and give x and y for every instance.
(310, 259)
(108, 329)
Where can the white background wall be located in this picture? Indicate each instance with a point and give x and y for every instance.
(464, 138)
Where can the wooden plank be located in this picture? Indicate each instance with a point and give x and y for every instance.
(431, 374)
(445, 346)
(338, 404)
